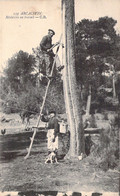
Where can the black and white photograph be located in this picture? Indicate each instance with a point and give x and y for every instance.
(59, 97)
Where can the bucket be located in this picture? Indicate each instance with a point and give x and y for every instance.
(63, 127)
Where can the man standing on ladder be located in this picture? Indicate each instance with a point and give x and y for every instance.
(48, 55)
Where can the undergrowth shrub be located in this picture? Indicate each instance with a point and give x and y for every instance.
(32, 97)
(55, 97)
(30, 101)
(10, 103)
(106, 152)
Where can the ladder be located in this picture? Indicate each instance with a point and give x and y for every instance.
(43, 103)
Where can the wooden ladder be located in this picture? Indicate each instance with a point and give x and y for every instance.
(43, 103)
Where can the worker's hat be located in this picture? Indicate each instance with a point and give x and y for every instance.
(52, 31)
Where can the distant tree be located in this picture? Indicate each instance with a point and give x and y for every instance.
(95, 42)
(19, 70)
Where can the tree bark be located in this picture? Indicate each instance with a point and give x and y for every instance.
(67, 96)
(88, 102)
(114, 90)
(72, 101)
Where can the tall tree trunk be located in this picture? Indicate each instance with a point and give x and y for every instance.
(114, 90)
(113, 81)
(67, 96)
(72, 101)
(88, 102)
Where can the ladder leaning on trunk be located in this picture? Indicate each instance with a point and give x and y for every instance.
(43, 103)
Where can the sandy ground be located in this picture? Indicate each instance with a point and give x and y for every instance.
(18, 174)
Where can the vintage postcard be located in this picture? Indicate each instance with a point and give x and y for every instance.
(59, 97)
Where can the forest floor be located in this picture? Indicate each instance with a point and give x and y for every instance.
(32, 174)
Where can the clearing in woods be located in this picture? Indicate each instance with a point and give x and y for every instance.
(33, 174)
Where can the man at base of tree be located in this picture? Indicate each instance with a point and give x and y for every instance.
(48, 55)
(53, 131)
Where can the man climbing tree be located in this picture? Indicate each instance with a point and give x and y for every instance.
(48, 55)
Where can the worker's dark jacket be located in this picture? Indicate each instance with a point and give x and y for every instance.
(52, 124)
(46, 43)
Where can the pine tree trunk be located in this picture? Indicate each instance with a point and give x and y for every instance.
(72, 101)
(114, 90)
(88, 102)
(67, 96)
